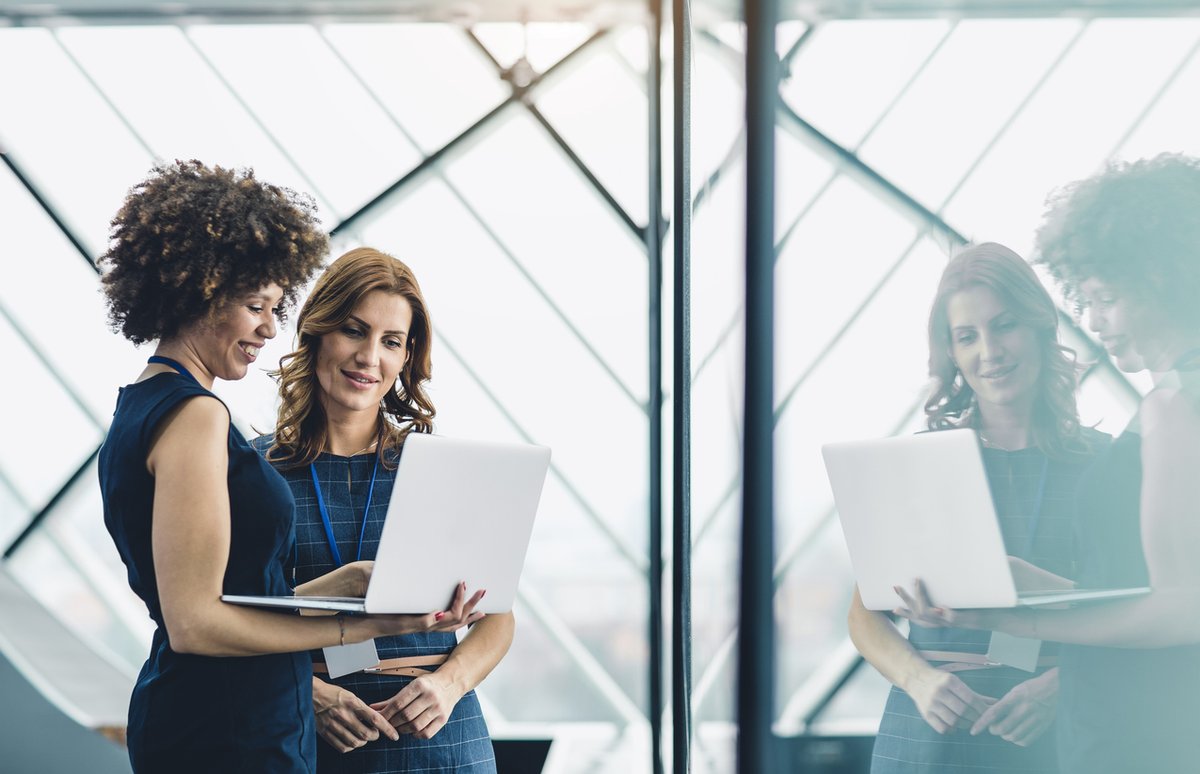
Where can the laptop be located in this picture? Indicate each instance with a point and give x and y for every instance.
(460, 511)
(919, 506)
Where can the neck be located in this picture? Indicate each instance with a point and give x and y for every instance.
(1005, 427)
(181, 351)
(350, 432)
(1173, 350)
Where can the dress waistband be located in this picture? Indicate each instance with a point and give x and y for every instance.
(961, 662)
(407, 666)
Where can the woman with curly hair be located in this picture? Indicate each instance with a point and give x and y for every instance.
(997, 367)
(202, 260)
(349, 394)
(1125, 245)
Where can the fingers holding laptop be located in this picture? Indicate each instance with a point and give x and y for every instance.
(461, 611)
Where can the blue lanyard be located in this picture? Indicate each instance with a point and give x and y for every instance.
(333, 547)
(173, 364)
(1037, 508)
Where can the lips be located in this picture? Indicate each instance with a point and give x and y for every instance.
(250, 350)
(1112, 343)
(999, 373)
(360, 379)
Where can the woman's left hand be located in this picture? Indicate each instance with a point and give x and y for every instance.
(422, 707)
(1024, 713)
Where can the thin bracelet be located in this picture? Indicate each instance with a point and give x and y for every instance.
(341, 630)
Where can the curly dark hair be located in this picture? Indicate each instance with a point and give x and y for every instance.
(190, 239)
(1136, 228)
(1056, 429)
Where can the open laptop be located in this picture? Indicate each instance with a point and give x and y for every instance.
(460, 511)
(919, 506)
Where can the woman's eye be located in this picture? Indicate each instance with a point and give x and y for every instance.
(966, 338)
(393, 343)
(349, 331)
(255, 309)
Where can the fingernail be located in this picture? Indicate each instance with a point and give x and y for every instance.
(438, 616)
(483, 594)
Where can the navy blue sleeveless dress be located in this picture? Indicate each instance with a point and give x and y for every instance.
(191, 713)
(905, 743)
(463, 745)
(1122, 709)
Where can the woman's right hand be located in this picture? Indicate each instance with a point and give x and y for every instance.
(460, 613)
(945, 701)
(344, 720)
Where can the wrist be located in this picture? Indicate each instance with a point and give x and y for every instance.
(915, 670)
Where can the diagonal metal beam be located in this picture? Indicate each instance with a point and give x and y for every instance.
(457, 145)
(52, 213)
(436, 170)
(254, 117)
(41, 515)
(638, 231)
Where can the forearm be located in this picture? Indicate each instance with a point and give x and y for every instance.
(214, 628)
(480, 651)
(1164, 618)
(882, 645)
(349, 580)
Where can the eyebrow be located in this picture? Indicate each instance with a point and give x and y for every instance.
(367, 325)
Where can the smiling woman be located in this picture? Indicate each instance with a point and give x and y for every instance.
(997, 367)
(349, 395)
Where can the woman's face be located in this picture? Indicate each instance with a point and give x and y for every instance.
(231, 342)
(998, 355)
(359, 363)
(1109, 316)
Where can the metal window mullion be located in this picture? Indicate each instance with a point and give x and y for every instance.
(654, 235)
(681, 496)
(756, 611)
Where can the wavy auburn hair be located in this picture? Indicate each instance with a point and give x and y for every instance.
(993, 266)
(301, 432)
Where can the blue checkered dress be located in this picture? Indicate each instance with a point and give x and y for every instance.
(906, 744)
(463, 744)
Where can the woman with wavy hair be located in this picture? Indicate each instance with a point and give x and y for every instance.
(203, 260)
(350, 393)
(997, 367)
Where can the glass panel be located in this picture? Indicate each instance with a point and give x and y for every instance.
(192, 114)
(344, 142)
(872, 60)
(73, 146)
(447, 83)
(65, 319)
(580, 109)
(1173, 124)
(1071, 126)
(540, 217)
(929, 140)
(14, 514)
(55, 436)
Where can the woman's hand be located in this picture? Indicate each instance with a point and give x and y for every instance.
(1024, 713)
(349, 580)
(423, 706)
(344, 720)
(919, 609)
(460, 613)
(945, 701)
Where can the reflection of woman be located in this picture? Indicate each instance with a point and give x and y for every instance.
(201, 261)
(997, 367)
(350, 393)
(1126, 244)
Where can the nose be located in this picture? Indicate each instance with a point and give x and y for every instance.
(1095, 320)
(990, 347)
(367, 353)
(267, 329)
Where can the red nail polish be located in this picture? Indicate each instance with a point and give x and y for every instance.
(483, 594)
(438, 616)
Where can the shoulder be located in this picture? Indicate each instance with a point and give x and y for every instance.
(262, 443)
(1168, 407)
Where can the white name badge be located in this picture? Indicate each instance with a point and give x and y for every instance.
(344, 659)
(1019, 652)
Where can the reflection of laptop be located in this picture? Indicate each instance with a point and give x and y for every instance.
(919, 506)
(460, 511)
